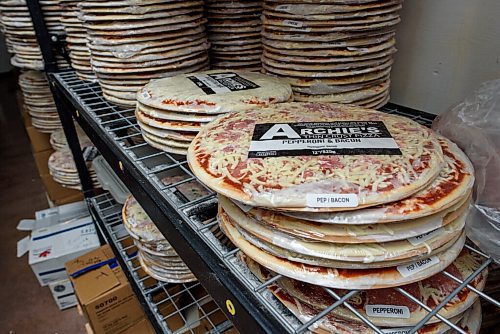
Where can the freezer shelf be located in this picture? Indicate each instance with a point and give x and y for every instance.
(236, 290)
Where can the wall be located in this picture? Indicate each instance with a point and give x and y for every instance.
(446, 48)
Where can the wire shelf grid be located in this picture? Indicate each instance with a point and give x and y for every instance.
(169, 172)
(178, 308)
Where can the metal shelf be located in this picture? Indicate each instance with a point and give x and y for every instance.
(175, 308)
(189, 225)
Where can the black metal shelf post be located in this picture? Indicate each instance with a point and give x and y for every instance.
(47, 44)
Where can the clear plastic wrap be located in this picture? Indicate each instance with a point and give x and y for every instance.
(474, 125)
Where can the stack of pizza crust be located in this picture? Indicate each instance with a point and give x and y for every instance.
(338, 196)
(20, 37)
(133, 41)
(332, 51)
(156, 255)
(171, 111)
(234, 33)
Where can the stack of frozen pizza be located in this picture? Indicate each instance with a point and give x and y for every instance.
(62, 167)
(234, 29)
(170, 111)
(156, 255)
(20, 34)
(58, 139)
(332, 51)
(134, 41)
(76, 38)
(338, 196)
(38, 101)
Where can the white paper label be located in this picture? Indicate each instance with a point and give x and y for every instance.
(291, 23)
(387, 311)
(145, 94)
(410, 269)
(424, 237)
(332, 200)
(245, 208)
(400, 330)
(322, 138)
(283, 8)
(46, 213)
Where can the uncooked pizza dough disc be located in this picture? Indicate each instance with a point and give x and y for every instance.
(346, 278)
(237, 155)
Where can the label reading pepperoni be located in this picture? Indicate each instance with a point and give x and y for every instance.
(410, 269)
(332, 200)
(219, 83)
(388, 311)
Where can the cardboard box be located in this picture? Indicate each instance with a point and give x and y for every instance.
(39, 141)
(57, 193)
(142, 327)
(104, 293)
(42, 161)
(63, 294)
(51, 247)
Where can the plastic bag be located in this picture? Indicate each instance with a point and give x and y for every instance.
(474, 125)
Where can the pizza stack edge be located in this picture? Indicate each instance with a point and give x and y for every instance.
(347, 198)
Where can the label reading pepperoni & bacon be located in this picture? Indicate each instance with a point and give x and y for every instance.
(322, 138)
(217, 83)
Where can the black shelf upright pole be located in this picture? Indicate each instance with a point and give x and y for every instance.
(46, 42)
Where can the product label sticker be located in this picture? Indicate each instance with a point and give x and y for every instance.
(400, 330)
(410, 269)
(297, 36)
(387, 311)
(426, 236)
(332, 200)
(294, 24)
(282, 8)
(245, 208)
(89, 153)
(218, 83)
(145, 94)
(322, 138)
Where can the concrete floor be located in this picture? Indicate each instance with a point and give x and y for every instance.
(26, 306)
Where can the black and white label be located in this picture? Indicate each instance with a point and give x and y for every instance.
(419, 239)
(411, 269)
(89, 153)
(294, 24)
(218, 83)
(400, 330)
(322, 138)
(387, 311)
(332, 200)
(245, 208)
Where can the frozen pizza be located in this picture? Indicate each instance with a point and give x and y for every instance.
(389, 307)
(372, 278)
(214, 92)
(315, 157)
